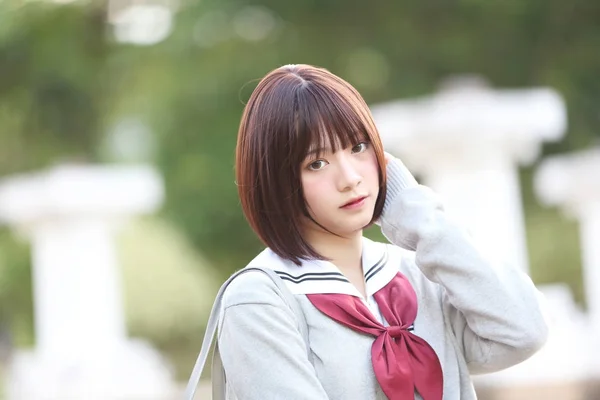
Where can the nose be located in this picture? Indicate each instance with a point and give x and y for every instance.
(349, 174)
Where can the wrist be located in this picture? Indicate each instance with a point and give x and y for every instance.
(398, 179)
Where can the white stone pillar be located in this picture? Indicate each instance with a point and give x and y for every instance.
(466, 142)
(141, 22)
(70, 214)
(572, 182)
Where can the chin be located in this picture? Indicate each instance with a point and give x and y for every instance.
(359, 225)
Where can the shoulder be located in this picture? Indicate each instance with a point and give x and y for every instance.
(252, 287)
(407, 265)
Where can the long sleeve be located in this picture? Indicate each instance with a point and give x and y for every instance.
(494, 310)
(261, 347)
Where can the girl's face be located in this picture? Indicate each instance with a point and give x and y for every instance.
(341, 188)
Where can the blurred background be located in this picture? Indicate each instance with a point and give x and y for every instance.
(119, 216)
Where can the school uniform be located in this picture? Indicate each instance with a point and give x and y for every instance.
(471, 315)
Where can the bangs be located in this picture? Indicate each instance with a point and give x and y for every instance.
(327, 120)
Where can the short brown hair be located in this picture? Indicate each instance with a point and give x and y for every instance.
(292, 109)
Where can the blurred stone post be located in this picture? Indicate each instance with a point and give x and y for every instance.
(572, 182)
(466, 142)
(70, 214)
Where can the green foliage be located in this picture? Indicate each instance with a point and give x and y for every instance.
(168, 289)
(52, 83)
(16, 300)
(553, 243)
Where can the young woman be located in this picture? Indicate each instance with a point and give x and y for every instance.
(410, 319)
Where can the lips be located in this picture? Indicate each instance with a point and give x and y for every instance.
(354, 201)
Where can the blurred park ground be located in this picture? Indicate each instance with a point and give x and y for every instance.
(163, 82)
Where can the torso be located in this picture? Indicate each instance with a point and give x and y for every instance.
(342, 357)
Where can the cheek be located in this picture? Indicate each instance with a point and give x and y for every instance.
(371, 168)
(311, 188)
(315, 191)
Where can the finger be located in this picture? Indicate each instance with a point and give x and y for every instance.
(387, 157)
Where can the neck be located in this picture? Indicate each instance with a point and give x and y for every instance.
(344, 252)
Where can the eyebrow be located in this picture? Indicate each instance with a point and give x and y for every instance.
(317, 150)
(320, 150)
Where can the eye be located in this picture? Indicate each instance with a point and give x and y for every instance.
(359, 148)
(317, 165)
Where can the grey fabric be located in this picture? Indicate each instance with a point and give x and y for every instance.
(218, 373)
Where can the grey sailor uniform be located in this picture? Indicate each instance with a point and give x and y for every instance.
(477, 315)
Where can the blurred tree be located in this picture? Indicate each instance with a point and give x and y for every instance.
(53, 83)
(16, 303)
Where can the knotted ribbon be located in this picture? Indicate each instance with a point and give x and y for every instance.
(401, 360)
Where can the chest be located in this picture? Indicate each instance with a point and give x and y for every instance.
(342, 357)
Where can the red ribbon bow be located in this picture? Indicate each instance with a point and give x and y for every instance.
(402, 361)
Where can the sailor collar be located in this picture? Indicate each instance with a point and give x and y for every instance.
(317, 276)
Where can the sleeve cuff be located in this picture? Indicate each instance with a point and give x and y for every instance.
(398, 179)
